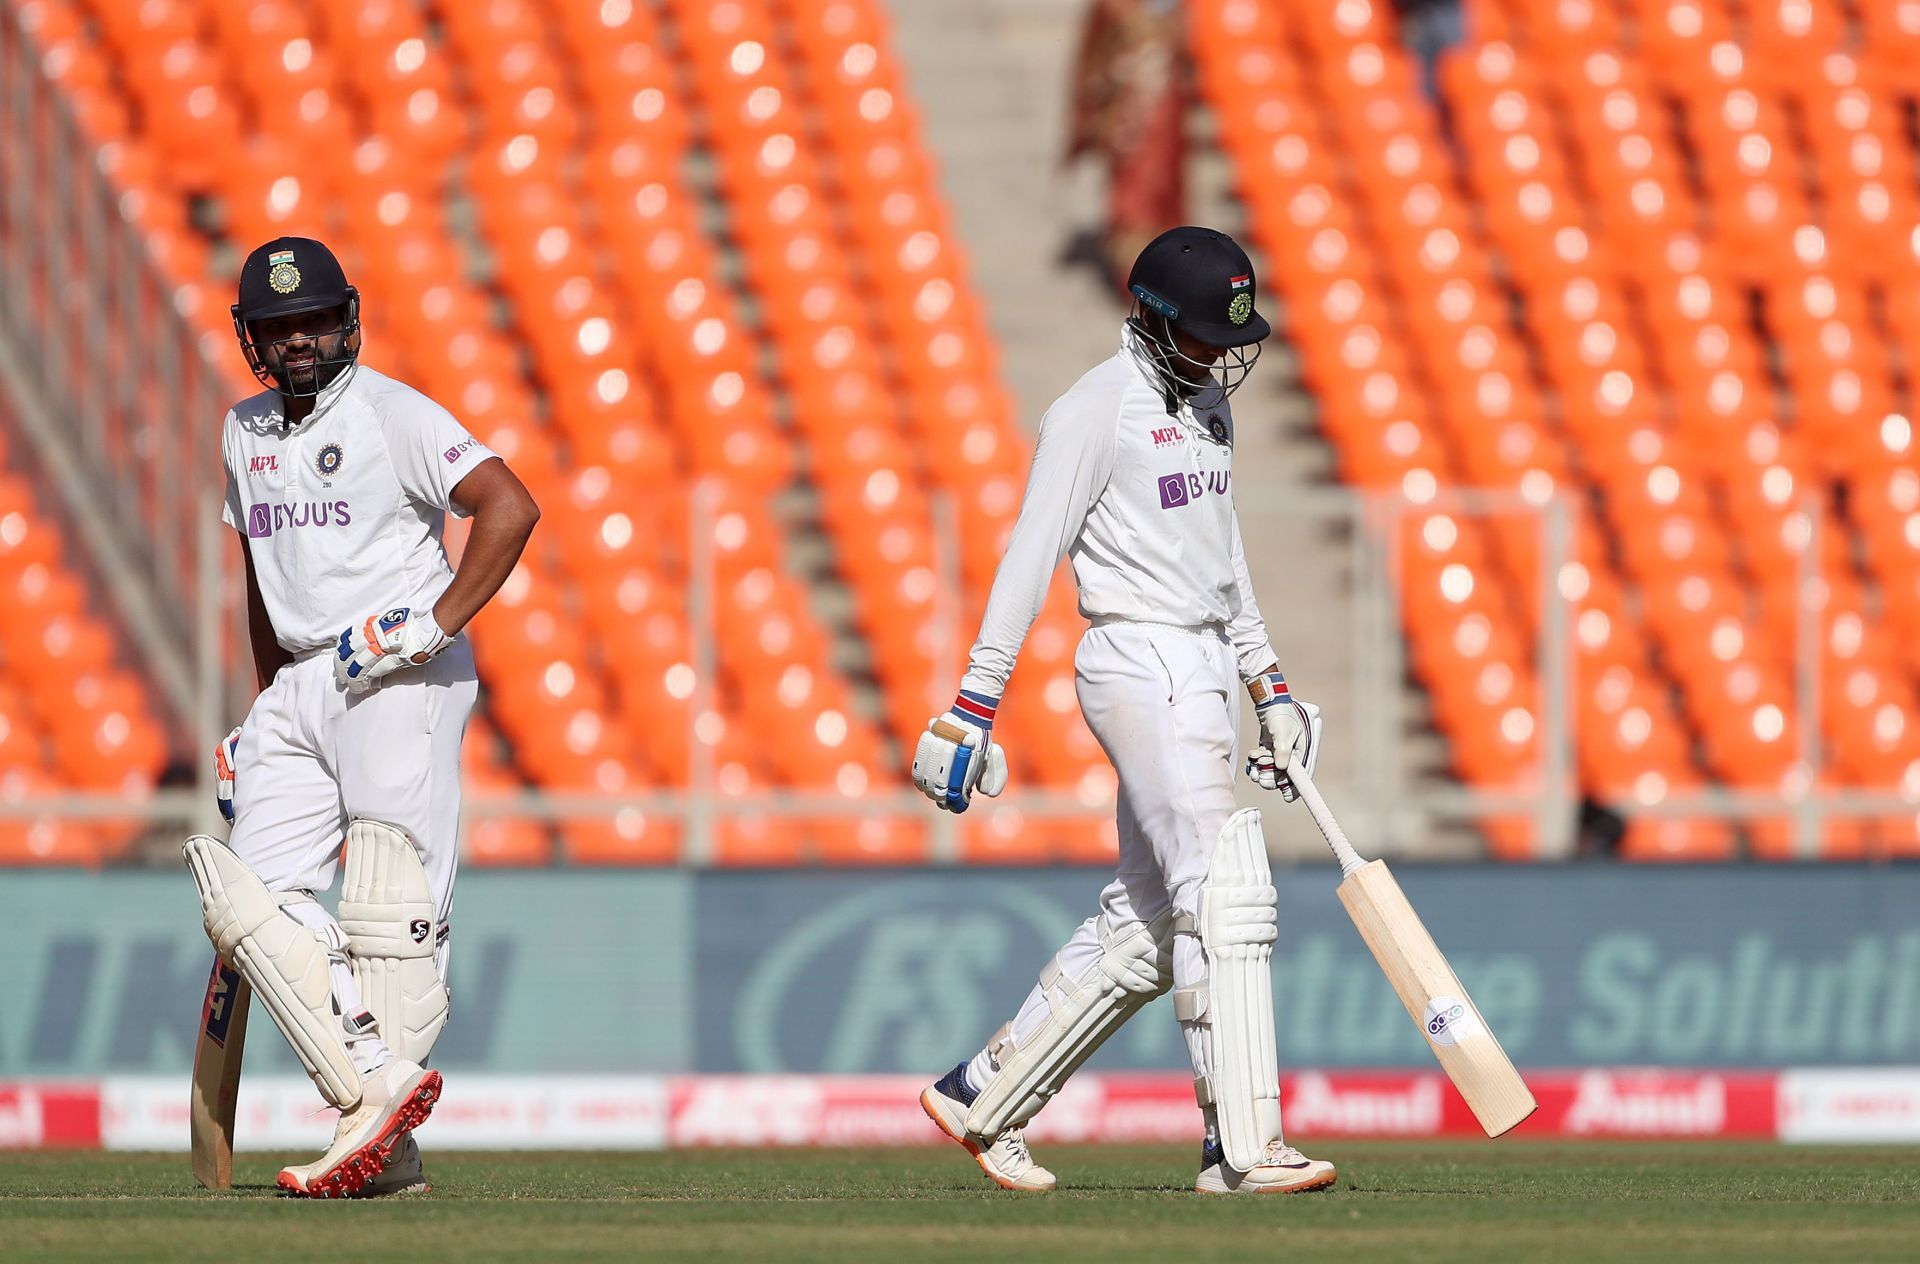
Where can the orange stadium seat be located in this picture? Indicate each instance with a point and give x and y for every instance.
(1575, 275)
(1633, 364)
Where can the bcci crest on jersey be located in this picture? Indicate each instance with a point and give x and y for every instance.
(328, 460)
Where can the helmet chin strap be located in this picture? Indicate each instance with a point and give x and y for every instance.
(323, 398)
(1162, 356)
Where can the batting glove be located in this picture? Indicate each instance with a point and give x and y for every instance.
(1289, 730)
(957, 754)
(383, 644)
(223, 760)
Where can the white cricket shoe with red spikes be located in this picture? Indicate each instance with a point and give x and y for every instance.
(394, 1100)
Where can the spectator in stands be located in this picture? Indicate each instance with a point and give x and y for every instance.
(1429, 28)
(1129, 110)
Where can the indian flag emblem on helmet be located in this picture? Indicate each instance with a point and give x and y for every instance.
(1240, 308)
(281, 274)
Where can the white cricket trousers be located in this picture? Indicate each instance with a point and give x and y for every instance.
(1164, 702)
(313, 756)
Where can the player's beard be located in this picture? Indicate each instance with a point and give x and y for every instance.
(312, 368)
(301, 374)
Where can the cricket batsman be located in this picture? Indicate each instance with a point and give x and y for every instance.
(339, 480)
(1132, 479)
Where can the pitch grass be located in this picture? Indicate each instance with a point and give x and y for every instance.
(1427, 1202)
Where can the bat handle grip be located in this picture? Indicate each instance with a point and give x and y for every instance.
(1323, 817)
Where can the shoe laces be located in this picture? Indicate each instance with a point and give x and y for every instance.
(1014, 1142)
(1280, 1154)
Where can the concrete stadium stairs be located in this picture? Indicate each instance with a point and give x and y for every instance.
(990, 78)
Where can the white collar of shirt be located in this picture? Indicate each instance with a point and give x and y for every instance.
(1134, 350)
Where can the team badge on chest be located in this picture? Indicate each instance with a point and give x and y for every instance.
(328, 461)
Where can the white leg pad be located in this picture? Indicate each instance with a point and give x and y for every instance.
(387, 910)
(1135, 966)
(1236, 927)
(283, 961)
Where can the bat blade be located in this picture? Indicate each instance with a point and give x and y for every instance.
(216, 1075)
(1427, 986)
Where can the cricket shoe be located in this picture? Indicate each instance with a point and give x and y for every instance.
(1281, 1170)
(394, 1100)
(403, 1174)
(1005, 1159)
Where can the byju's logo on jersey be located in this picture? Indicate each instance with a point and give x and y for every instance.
(455, 452)
(1179, 489)
(264, 520)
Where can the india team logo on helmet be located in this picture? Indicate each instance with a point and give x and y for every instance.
(1240, 306)
(329, 459)
(282, 275)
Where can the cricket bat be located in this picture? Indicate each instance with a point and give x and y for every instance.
(1428, 987)
(216, 1075)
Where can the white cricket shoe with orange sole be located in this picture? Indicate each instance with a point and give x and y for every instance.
(1281, 1170)
(393, 1101)
(1005, 1159)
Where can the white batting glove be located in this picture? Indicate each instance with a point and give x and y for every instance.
(223, 760)
(383, 644)
(1289, 730)
(957, 754)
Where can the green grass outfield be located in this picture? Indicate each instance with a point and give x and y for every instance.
(1427, 1202)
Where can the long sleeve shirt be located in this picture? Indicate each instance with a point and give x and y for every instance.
(1141, 499)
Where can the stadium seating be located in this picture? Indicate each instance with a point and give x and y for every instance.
(545, 204)
(1650, 258)
(72, 717)
(1656, 258)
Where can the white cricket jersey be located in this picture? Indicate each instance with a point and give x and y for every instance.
(1141, 499)
(342, 514)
